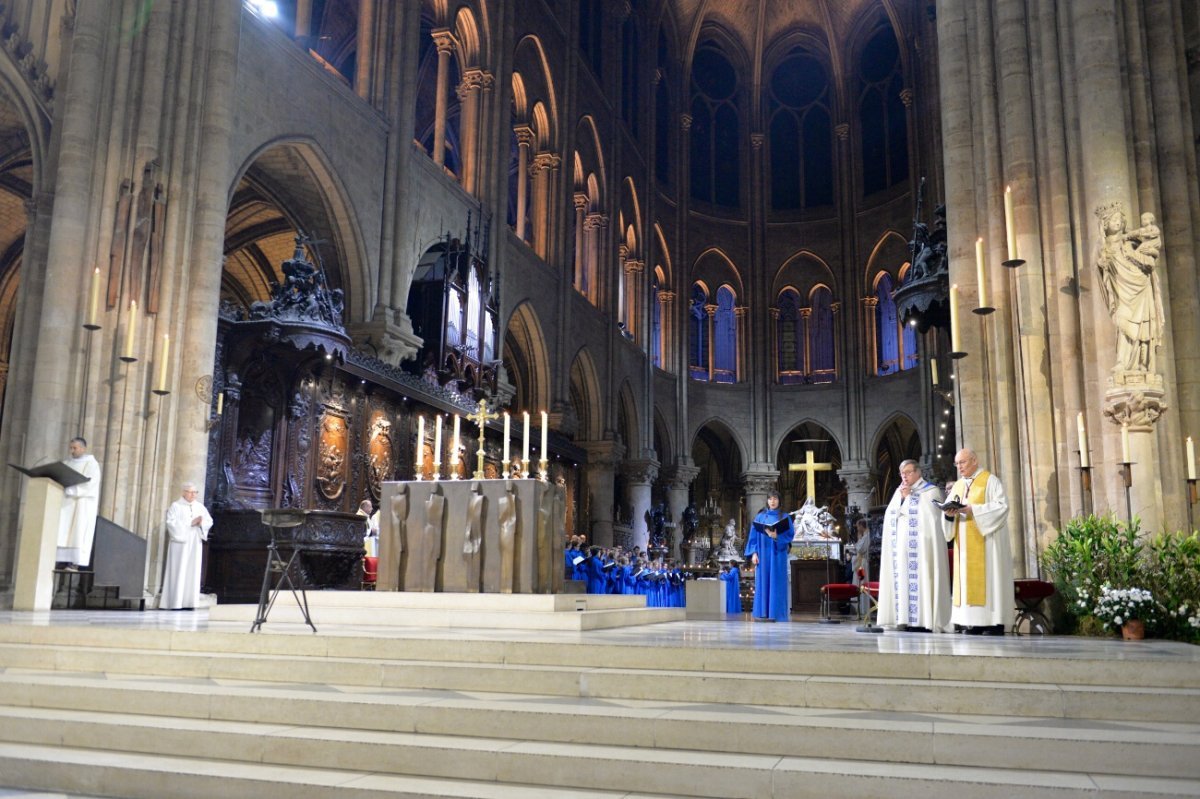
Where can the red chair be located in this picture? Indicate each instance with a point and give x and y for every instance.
(836, 592)
(1029, 594)
(370, 573)
(871, 592)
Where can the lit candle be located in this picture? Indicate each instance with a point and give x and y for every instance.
(437, 445)
(1125, 444)
(94, 305)
(162, 370)
(1009, 227)
(1083, 444)
(454, 453)
(981, 273)
(220, 403)
(420, 443)
(545, 431)
(131, 330)
(933, 370)
(1191, 459)
(507, 421)
(955, 344)
(525, 444)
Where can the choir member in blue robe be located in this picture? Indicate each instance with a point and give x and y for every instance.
(767, 544)
(732, 577)
(593, 572)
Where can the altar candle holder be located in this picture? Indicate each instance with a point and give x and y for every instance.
(1085, 485)
(504, 466)
(1127, 479)
(1191, 501)
(544, 470)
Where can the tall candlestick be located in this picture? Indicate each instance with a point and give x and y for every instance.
(1191, 459)
(933, 370)
(94, 304)
(545, 430)
(1009, 227)
(981, 273)
(1081, 427)
(507, 421)
(130, 330)
(525, 444)
(955, 344)
(420, 459)
(1125, 444)
(454, 454)
(162, 369)
(437, 445)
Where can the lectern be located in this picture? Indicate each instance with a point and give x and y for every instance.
(280, 519)
(33, 585)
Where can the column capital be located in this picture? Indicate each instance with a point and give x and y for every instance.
(870, 302)
(524, 134)
(1138, 409)
(906, 97)
(711, 309)
(603, 454)
(641, 471)
(842, 131)
(685, 121)
(680, 477)
(633, 266)
(443, 38)
(804, 312)
(595, 221)
(581, 201)
(760, 482)
(740, 311)
(666, 296)
(546, 160)
(757, 140)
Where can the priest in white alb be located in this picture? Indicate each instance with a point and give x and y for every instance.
(983, 602)
(81, 503)
(914, 580)
(188, 523)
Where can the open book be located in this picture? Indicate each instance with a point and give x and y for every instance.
(774, 527)
(951, 505)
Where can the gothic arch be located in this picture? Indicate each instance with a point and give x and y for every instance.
(889, 254)
(792, 447)
(804, 271)
(525, 348)
(896, 439)
(629, 423)
(714, 268)
(721, 458)
(664, 446)
(717, 423)
(284, 187)
(530, 62)
(586, 396)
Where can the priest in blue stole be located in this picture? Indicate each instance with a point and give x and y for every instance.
(767, 546)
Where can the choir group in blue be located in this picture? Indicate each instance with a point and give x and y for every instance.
(605, 572)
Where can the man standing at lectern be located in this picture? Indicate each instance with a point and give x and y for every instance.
(77, 521)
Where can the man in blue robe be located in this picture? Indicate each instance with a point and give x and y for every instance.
(593, 572)
(767, 544)
(732, 577)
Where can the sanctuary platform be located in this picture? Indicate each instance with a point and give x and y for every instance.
(178, 704)
(491, 611)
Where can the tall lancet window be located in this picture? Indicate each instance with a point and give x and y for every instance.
(714, 136)
(883, 119)
(725, 337)
(887, 328)
(789, 337)
(665, 120)
(698, 333)
(656, 315)
(801, 134)
(822, 345)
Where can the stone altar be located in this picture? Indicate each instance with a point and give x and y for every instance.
(493, 536)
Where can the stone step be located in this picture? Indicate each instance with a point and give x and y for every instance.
(886, 694)
(143, 776)
(1014, 661)
(82, 772)
(35, 707)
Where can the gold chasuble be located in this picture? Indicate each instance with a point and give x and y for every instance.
(967, 536)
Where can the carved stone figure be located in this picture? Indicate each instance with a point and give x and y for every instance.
(545, 537)
(472, 550)
(557, 542)
(509, 522)
(729, 548)
(391, 541)
(1132, 295)
(428, 553)
(813, 522)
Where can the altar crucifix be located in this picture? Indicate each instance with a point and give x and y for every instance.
(480, 417)
(810, 466)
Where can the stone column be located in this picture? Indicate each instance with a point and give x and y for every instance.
(524, 135)
(710, 332)
(581, 206)
(860, 486)
(545, 168)
(593, 228)
(603, 457)
(639, 477)
(757, 485)
(444, 42)
(365, 41)
(679, 483)
(476, 83)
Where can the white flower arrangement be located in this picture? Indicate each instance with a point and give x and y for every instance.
(1115, 606)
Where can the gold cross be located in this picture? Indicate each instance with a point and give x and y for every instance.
(810, 466)
(480, 417)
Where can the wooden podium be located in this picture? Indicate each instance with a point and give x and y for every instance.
(33, 583)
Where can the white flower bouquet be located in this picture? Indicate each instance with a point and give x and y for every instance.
(1116, 606)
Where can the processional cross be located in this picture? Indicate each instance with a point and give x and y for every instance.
(811, 467)
(480, 417)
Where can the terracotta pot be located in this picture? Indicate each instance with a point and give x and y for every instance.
(1133, 630)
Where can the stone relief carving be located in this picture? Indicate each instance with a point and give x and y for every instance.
(331, 461)
(1126, 263)
(252, 459)
(429, 552)
(379, 456)
(1138, 409)
(472, 550)
(510, 521)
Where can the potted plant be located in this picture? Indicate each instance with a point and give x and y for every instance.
(1126, 609)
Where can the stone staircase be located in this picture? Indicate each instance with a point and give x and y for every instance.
(166, 713)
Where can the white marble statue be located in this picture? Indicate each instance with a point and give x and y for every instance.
(1126, 264)
(812, 522)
